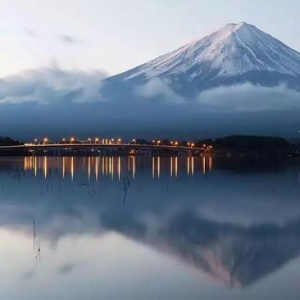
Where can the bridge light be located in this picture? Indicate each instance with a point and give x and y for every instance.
(72, 140)
(119, 141)
(158, 142)
(63, 140)
(46, 140)
(176, 143)
(193, 145)
(172, 143)
(90, 140)
(153, 141)
(96, 140)
(134, 141)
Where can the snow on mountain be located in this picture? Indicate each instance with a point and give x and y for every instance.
(237, 53)
(234, 49)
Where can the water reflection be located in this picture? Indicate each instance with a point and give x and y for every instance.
(110, 166)
(238, 228)
(232, 254)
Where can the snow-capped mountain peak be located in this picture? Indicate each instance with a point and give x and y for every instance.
(230, 51)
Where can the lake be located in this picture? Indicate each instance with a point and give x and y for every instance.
(149, 228)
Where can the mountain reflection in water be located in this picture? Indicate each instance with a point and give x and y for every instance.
(235, 226)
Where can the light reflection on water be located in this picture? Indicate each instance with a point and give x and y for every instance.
(148, 228)
(115, 166)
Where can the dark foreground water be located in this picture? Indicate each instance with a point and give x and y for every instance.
(143, 229)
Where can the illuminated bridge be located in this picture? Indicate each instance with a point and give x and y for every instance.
(58, 149)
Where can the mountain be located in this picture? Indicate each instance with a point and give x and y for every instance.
(235, 81)
(235, 54)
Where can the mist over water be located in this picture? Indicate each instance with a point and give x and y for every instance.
(145, 120)
(54, 102)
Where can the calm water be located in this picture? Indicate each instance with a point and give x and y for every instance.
(155, 228)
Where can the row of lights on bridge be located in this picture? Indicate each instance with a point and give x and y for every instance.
(113, 141)
(189, 144)
(119, 141)
(73, 140)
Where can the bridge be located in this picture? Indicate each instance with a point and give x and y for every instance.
(57, 148)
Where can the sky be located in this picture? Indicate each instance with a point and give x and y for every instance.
(115, 35)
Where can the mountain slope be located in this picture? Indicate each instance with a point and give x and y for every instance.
(235, 54)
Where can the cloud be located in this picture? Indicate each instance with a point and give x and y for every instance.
(67, 268)
(19, 32)
(152, 109)
(52, 85)
(248, 97)
(239, 98)
(158, 88)
(243, 98)
(28, 275)
(31, 33)
(68, 39)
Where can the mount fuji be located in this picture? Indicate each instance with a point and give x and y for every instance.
(235, 54)
(237, 80)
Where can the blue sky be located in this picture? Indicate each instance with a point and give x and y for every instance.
(115, 35)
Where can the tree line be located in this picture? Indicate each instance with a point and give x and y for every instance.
(7, 141)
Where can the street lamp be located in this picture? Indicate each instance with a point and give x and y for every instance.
(119, 141)
(35, 140)
(176, 143)
(64, 140)
(46, 140)
(90, 140)
(158, 142)
(72, 140)
(193, 145)
(96, 140)
(134, 141)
